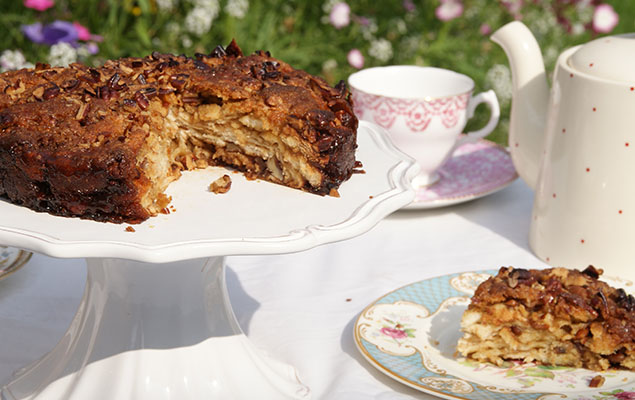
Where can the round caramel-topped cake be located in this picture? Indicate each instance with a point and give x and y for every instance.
(104, 143)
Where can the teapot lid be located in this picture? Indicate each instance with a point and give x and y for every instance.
(611, 58)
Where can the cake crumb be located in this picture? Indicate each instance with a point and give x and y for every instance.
(130, 229)
(349, 299)
(597, 381)
(334, 193)
(221, 185)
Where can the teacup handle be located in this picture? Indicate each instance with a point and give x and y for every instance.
(491, 100)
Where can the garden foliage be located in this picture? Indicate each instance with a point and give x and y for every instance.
(333, 38)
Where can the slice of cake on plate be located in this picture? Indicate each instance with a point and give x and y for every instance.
(553, 316)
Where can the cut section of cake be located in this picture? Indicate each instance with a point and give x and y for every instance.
(553, 316)
(104, 143)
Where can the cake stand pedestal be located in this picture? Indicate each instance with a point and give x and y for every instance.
(155, 321)
(155, 331)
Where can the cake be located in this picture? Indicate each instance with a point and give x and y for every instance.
(104, 143)
(553, 316)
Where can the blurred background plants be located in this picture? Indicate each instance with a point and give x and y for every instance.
(333, 38)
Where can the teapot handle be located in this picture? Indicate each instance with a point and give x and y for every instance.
(491, 100)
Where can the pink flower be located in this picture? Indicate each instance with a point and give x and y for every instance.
(394, 333)
(604, 18)
(625, 395)
(84, 34)
(340, 15)
(449, 9)
(485, 29)
(355, 58)
(39, 5)
(513, 6)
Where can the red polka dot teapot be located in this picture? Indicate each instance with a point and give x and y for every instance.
(575, 146)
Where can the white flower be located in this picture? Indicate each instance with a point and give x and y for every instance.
(584, 9)
(166, 5)
(62, 54)
(173, 28)
(199, 20)
(381, 49)
(11, 59)
(369, 28)
(355, 58)
(402, 28)
(209, 4)
(604, 18)
(340, 15)
(237, 8)
(82, 52)
(544, 24)
(577, 29)
(551, 54)
(329, 65)
(186, 41)
(500, 79)
(412, 43)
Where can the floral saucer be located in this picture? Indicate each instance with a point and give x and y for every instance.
(411, 334)
(11, 259)
(474, 170)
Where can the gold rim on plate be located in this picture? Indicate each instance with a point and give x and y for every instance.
(12, 259)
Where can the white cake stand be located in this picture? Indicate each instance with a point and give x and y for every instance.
(155, 322)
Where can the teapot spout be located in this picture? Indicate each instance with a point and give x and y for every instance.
(530, 98)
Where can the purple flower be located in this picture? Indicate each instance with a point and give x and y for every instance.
(39, 5)
(340, 15)
(92, 48)
(363, 21)
(355, 58)
(449, 9)
(625, 395)
(409, 6)
(604, 18)
(55, 32)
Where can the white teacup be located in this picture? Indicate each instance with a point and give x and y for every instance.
(424, 110)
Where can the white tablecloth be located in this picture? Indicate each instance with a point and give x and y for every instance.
(301, 307)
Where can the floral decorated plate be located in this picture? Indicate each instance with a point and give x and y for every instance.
(474, 170)
(11, 259)
(411, 334)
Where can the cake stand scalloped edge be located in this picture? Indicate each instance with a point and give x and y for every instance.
(361, 220)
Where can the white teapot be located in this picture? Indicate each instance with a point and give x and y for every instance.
(575, 146)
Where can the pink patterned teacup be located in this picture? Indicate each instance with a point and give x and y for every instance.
(424, 110)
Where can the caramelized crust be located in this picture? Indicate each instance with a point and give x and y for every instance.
(104, 143)
(553, 316)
